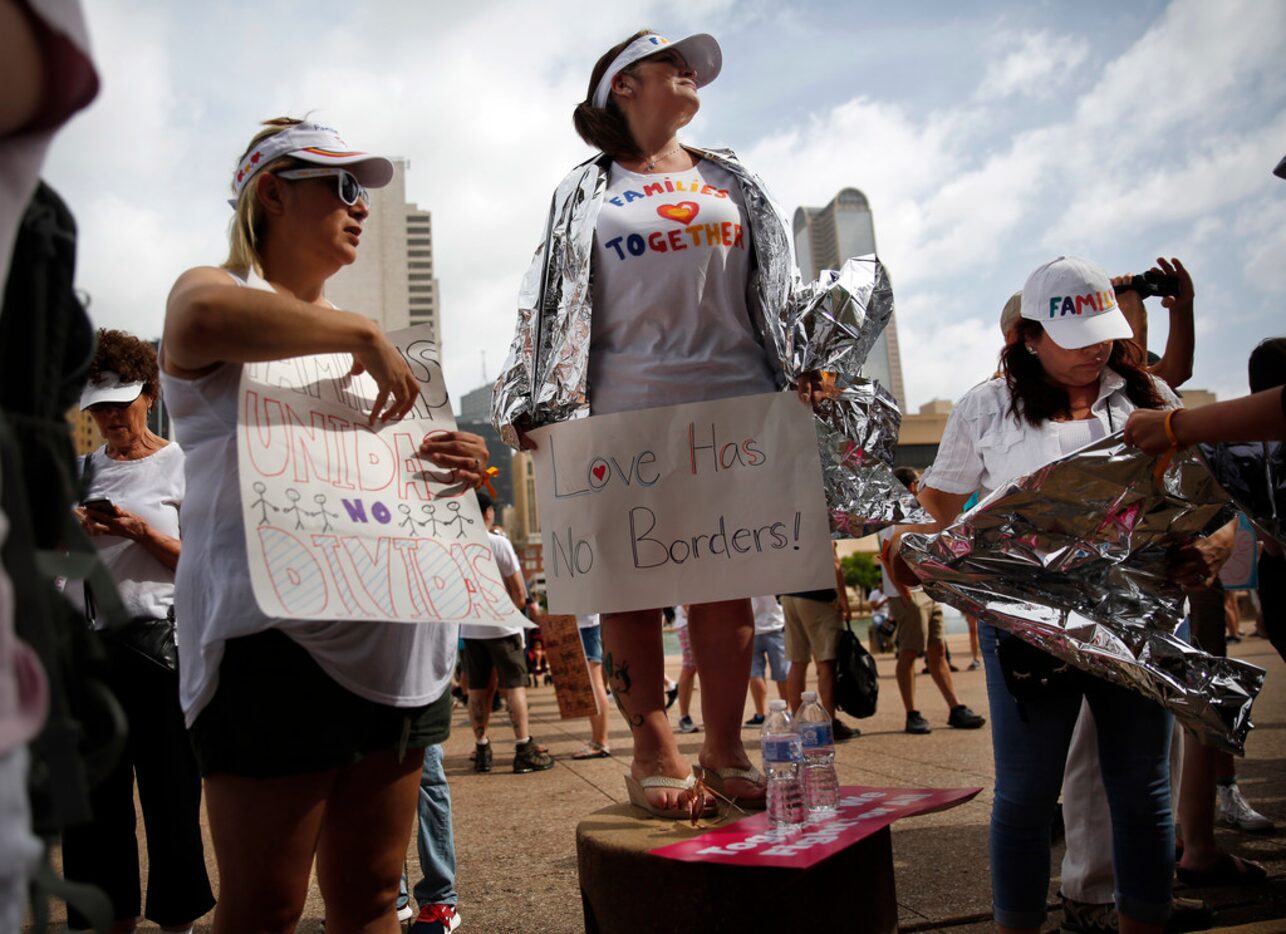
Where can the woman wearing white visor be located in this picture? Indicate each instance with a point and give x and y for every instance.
(677, 256)
(309, 734)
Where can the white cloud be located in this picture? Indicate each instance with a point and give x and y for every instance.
(1166, 147)
(1036, 68)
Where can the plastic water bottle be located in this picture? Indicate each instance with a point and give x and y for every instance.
(821, 785)
(782, 758)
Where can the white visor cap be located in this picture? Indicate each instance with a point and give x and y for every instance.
(1075, 303)
(108, 387)
(700, 51)
(320, 145)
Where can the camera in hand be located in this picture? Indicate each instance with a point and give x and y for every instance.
(1152, 282)
(101, 504)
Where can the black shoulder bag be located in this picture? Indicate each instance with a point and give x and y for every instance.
(152, 639)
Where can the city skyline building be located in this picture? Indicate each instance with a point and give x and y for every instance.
(824, 238)
(393, 280)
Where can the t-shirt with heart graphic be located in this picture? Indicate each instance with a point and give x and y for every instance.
(671, 268)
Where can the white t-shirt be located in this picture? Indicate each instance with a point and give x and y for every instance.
(151, 488)
(398, 664)
(587, 620)
(984, 446)
(680, 617)
(879, 602)
(671, 269)
(769, 616)
(507, 563)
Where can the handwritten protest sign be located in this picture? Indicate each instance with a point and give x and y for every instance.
(346, 521)
(567, 663)
(753, 841)
(684, 504)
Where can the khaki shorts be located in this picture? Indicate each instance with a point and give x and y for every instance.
(812, 629)
(919, 622)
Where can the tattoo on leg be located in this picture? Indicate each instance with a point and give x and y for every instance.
(618, 680)
(478, 716)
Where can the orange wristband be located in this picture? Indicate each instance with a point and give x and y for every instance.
(1169, 429)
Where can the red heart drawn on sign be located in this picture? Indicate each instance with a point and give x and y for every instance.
(600, 471)
(684, 212)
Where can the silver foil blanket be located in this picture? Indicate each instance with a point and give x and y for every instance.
(829, 326)
(1073, 558)
(858, 433)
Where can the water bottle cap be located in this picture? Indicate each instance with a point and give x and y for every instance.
(777, 705)
(808, 696)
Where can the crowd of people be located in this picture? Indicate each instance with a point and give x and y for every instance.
(317, 745)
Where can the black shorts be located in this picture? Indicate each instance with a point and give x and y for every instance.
(507, 655)
(276, 712)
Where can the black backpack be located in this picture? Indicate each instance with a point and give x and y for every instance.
(857, 680)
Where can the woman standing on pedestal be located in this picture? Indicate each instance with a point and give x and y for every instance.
(679, 260)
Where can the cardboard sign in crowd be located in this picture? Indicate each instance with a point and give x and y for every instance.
(685, 504)
(347, 521)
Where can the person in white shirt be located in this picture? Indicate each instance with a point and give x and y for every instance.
(309, 734)
(769, 654)
(1069, 378)
(133, 497)
(488, 648)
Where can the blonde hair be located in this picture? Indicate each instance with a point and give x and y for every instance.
(247, 227)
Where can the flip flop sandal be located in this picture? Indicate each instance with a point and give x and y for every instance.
(1227, 870)
(717, 779)
(592, 750)
(638, 797)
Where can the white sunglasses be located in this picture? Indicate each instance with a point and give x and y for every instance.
(350, 189)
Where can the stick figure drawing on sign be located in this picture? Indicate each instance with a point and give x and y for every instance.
(262, 504)
(326, 514)
(457, 518)
(293, 495)
(430, 518)
(407, 520)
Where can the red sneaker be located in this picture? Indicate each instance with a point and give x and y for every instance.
(435, 919)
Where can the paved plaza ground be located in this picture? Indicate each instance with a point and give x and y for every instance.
(515, 834)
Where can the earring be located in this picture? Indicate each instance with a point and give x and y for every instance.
(1031, 350)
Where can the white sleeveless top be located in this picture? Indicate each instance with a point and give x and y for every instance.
(398, 664)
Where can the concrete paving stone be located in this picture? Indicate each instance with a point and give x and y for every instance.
(515, 834)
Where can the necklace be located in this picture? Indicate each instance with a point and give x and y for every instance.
(651, 163)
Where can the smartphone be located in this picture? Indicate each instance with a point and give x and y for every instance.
(100, 504)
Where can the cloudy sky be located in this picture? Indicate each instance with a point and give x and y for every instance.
(989, 137)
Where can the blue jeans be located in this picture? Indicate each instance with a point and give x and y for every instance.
(1030, 749)
(435, 839)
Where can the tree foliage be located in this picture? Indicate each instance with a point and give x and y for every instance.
(861, 571)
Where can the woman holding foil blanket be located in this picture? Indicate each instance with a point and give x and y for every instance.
(1070, 378)
(666, 276)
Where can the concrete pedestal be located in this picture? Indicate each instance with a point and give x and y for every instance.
(625, 890)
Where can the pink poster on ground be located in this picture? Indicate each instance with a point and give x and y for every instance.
(752, 841)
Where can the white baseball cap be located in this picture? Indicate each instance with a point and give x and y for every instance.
(320, 145)
(1074, 302)
(700, 51)
(108, 387)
